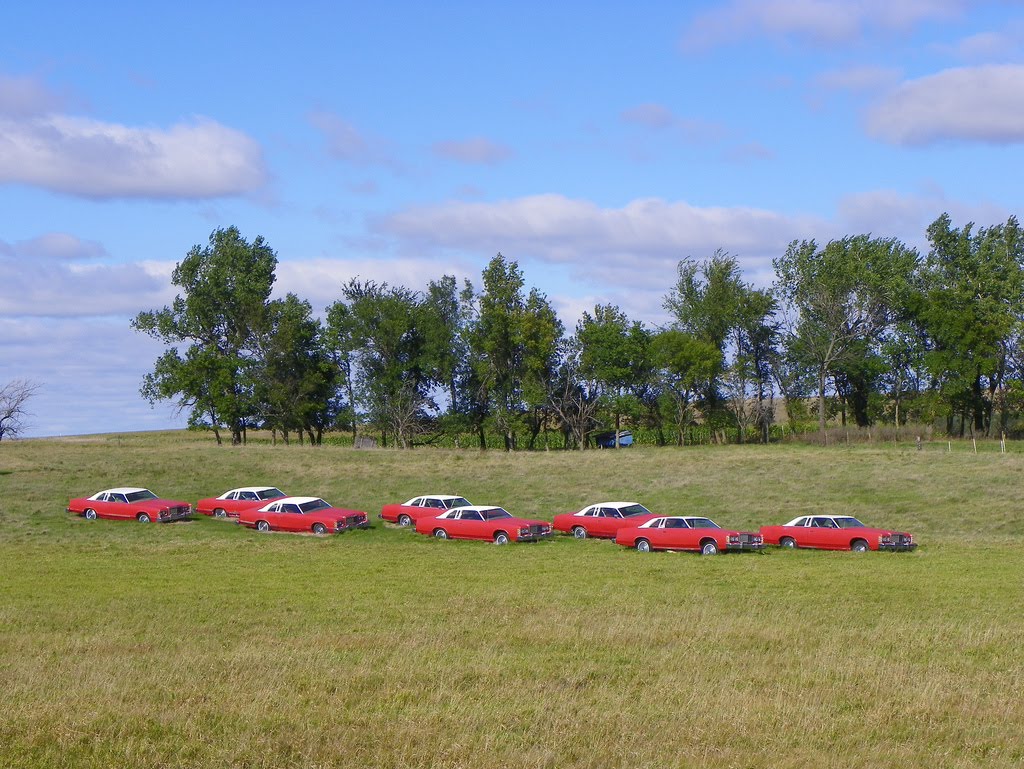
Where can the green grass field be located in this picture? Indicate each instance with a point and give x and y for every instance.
(205, 644)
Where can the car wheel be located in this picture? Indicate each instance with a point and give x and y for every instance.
(440, 533)
(220, 512)
(90, 514)
(501, 538)
(579, 532)
(788, 542)
(262, 526)
(404, 520)
(643, 546)
(143, 518)
(709, 548)
(319, 528)
(859, 546)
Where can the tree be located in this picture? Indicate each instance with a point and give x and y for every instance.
(295, 387)
(685, 365)
(14, 397)
(614, 353)
(385, 328)
(841, 298)
(226, 286)
(497, 347)
(970, 308)
(542, 334)
(705, 302)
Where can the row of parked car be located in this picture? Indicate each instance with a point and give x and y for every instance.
(449, 516)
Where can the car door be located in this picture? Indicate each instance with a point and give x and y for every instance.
(821, 533)
(473, 526)
(676, 534)
(117, 506)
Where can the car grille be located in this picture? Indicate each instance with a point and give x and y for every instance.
(539, 530)
(355, 520)
(902, 540)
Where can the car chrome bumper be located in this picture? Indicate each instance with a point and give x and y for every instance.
(898, 547)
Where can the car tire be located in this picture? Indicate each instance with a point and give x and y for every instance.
(90, 514)
(501, 538)
(220, 512)
(143, 518)
(579, 532)
(788, 542)
(709, 548)
(262, 526)
(859, 546)
(319, 528)
(440, 533)
(643, 546)
(404, 520)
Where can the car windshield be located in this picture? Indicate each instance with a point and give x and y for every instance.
(313, 506)
(269, 494)
(849, 523)
(631, 510)
(496, 512)
(139, 496)
(703, 523)
(456, 502)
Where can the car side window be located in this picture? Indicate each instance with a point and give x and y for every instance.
(118, 498)
(249, 495)
(435, 503)
(590, 512)
(824, 523)
(418, 502)
(800, 522)
(274, 508)
(471, 515)
(609, 512)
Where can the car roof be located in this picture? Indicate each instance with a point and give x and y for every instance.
(611, 504)
(439, 496)
(477, 508)
(250, 488)
(122, 490)
(293, 500)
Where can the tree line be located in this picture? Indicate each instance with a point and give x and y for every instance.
(861, 330)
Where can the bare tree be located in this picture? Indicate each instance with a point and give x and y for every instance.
(13, 397)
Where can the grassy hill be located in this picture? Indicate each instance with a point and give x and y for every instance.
(204, 644)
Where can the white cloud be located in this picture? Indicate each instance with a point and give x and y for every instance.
(658, 117)
(821, 22)
(22, 97)
(54, 245)
(347, 143)
(90, 371)
(856, 79)
(75, 289)
(475, 151)
(94, 159)
(615, 243)
(981, 104)
(319, 280)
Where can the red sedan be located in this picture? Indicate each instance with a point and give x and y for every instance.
(407, 513)
(493, 524)
(836, 532)
(302, 514)
(130, 503)
(685, 532)
(230, 503)
(603, 519)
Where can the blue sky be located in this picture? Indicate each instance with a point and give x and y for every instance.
(595, 144)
